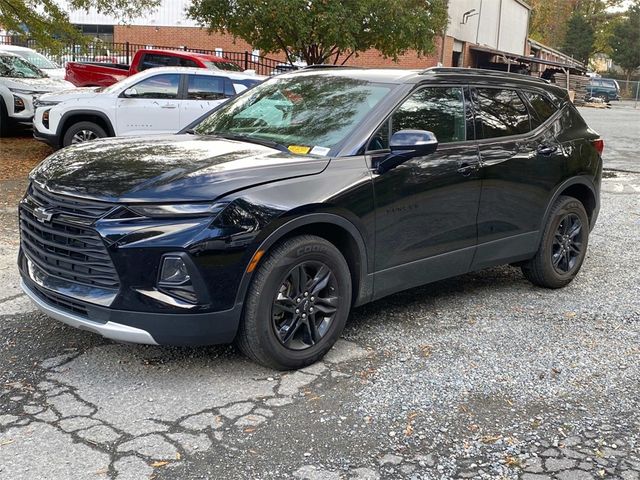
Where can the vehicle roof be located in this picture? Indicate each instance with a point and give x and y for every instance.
(399, 76)
(203, 71)
(183, 53)
(8, 48)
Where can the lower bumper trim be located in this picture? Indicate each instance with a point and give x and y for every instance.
(109, 329)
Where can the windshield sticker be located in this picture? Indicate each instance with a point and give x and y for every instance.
(319, 150)
(299, 149)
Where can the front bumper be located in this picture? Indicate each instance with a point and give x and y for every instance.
(141, 327)
(112, 330)
(50, 139)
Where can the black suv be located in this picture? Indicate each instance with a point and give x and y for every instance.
(316, 191)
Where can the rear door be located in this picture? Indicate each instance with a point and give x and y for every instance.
(203, 93)
(150, 106)
(521, 163)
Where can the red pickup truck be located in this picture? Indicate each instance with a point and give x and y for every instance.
(98, 74)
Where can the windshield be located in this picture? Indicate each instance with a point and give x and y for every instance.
(16, 67)
(36, 59)
(230, 66)
(305, 113)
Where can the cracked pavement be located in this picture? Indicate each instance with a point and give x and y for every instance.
(480, 376)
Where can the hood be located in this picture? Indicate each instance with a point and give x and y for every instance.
(70, 94)
(163, 169)
(38, 85)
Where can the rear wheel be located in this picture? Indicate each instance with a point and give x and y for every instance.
(297, 304)
(604, 97)
(82, 132)
(563, 247)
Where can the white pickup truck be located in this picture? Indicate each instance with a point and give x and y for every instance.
(155, 101)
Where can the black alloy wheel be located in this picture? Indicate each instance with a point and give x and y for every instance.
(563, 246)
(305, 305)
(297, 304)
(567, 244)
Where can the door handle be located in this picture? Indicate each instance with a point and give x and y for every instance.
(547, 149)
(169, 105)
(465, 169)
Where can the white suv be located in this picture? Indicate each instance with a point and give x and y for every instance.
(20, 83)
(155, 101)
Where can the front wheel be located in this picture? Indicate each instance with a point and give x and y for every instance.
(297, 304)
(82, 132)
(563, 247)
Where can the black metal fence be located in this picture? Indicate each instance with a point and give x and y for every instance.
(123, 52)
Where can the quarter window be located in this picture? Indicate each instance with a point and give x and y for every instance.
(159, 86)
(543, 109)
(203, 87)
(500, 113)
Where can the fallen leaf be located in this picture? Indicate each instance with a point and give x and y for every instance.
(159, 464)
(178, 456)
(6, 442)
(249, 429)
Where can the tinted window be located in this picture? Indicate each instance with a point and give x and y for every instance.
(438, 110)
(542, 108)
(153, 60)
(205, 88)
(500, 113)
(158, 86)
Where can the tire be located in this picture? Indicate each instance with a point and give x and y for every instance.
(4, 120)
(82, 130)
(567, 228)
(604, 97)
(264, 334)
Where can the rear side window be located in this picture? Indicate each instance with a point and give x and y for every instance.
(500, 113)
(203, 87)
(543, 109)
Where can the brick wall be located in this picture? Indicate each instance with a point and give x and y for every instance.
(199, 38)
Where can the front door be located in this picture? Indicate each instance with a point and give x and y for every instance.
(151, 106)
(426, 207)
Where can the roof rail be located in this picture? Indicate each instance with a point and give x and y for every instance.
(481, 72)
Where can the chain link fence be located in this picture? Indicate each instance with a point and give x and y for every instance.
(629, 90)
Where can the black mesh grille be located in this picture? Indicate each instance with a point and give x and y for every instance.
(62, 302)
(66, 246)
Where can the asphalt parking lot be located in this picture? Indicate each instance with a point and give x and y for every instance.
(480, 376)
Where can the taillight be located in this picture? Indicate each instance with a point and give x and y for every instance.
(598, 145)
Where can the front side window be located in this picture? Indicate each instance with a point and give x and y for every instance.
(205, 88)
(16, 67)
(438, 110)
(300, 112)
(500, 113)
(159, 86)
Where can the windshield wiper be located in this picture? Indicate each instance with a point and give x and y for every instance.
(250, 139)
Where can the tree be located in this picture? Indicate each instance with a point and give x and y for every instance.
(579, 39)
(48, 23)
(327, 31)
(625, 41)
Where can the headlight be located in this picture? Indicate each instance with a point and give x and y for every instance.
(179, 210)
(23, 91)
(44, 103)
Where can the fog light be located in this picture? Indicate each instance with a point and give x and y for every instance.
(174, 271)
(45, 119)
(18, 104)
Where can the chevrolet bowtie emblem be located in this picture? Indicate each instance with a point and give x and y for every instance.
(43, 214)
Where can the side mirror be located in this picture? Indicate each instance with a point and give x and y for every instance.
(130, 92)
(406, 144)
